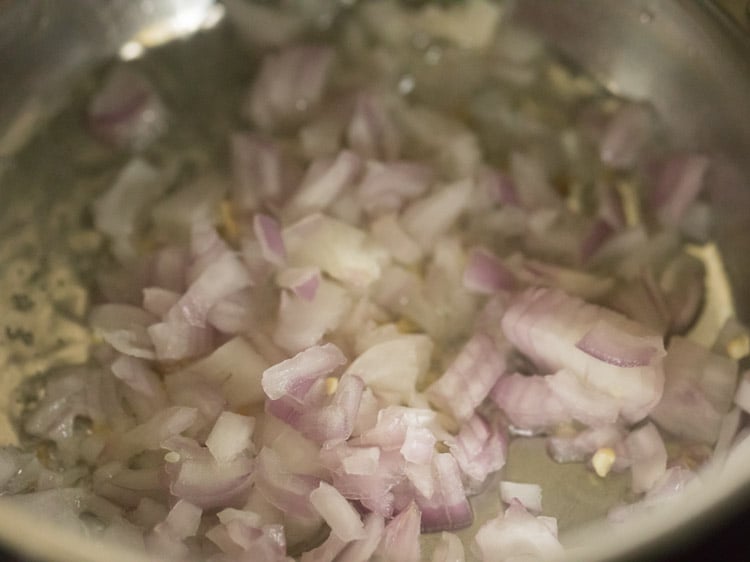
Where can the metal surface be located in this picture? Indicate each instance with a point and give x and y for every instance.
(682, 56)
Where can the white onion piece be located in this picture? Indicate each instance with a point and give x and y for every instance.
(363, 549)
(117, 213)
(528, 495)
(181, 522)
(324, 182)
(371, 131)
(450, 549)
(149, 435)
(158, 301)
(698, 391)
(236, 367)
(326, 552)
(428, 218)
(303, 281)
(295, 375)
(125, 328)
(197, 202)
(469, 379)
(387, 231)
(583, 402)
(340, 250)
(261, 171)
(578, 447)
(517, 534)
(286, 490)
(177, 339)
(230, 436)
(479, 449)
(392, 368)
(137, 375)
(289, 84)
(209, 484)
(418, 447)
(487, 274)
(545, 324)
(529, 402)
(400, 541)
(167, 268)
(678, 184)
(374, 490)
(337, 512)
(64, 400)
(126, 111)
(333, 422)
(447, 509)
(577, 283)
(224, 276)
(303, 322)
(386, 186)
(646, 451)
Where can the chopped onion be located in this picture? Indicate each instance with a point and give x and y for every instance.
(400, 541)
(516, 534)
(337, 512)
(294, 376)
(469, 379)
(528, 495)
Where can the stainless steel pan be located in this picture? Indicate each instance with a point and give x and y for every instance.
(690, 59)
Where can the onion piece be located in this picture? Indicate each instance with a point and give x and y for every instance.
(698, 391)
(392, 368)
(546, 324)
(337, 512)
(117, 213)
(487, 274)
(518, 533)
(125, 328)
(268, 233)
(469, 379)
(584, 444)
(126, 111)
(303, 281)
(363, 549)
(447, 509)
(450, 549)
(387, 230)
(287, 491)
(386, 186)
(340, 250)
(324, 182)
(289, 85)
(371, 131)
(230, 436)
(261, 171)
(528, 495)
(426, 219)
(479, 449)
(529, 402)
(648, 455)
(294, 376)
(400, 541)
